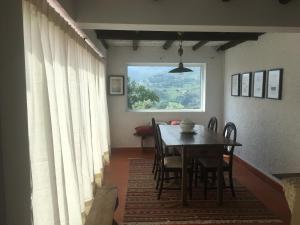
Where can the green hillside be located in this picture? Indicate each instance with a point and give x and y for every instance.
(154, 88)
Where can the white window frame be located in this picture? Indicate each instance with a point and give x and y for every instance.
(203, 88)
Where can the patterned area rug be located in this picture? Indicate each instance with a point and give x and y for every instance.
(143, 208)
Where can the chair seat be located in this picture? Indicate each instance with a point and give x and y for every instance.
(173, 162)
(210, 163)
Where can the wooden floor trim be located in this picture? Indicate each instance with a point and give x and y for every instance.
(132, 149)
(277, 186)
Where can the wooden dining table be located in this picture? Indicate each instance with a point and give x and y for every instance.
(200, 142)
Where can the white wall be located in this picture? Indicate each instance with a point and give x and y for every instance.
(13, 116)
(267, 13)
(122, 123)
(268, 129)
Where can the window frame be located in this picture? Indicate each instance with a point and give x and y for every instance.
(203, 88)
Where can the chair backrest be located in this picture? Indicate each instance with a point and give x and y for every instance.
(160, 149)
(153, 122)
(213, 124)
(229, 132)
(154, 133)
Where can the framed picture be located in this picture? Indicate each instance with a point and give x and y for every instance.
(274, 80)
(116, 85)
(246, 84)
(235, 85)
(259, 83)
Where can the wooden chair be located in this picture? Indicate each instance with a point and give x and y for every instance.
(168, 164)
(210, 165)
(167, 152)
(212, 125)
(156, 155)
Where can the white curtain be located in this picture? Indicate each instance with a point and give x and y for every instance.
(67, 116)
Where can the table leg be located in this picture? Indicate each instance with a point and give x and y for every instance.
(220, 178)
(142, 142)
(183, 178)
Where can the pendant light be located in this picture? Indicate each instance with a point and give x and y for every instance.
(180, 68)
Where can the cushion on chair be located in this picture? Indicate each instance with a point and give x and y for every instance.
(173, 162)
(144, 131)
(174, 122)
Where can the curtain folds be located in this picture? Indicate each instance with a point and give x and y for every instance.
(67, 117)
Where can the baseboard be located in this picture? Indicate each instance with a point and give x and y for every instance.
(131, 149)
(277, 186)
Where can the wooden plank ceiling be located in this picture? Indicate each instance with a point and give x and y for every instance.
(202, 38)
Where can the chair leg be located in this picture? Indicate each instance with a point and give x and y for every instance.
(154, 163)
(191, 183)
(155, 172)
(158, 177)
(231, 183)
(156, 168)
(176, 176)
(196, 173)
(201, 173)
(214, 178)
(205, 177)
(161, 184)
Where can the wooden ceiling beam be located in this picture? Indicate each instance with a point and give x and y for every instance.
(168, 44)
(104, 43)
(229, 45)
(280, 1)
(199, 44)
(135, 45)
(168, 36)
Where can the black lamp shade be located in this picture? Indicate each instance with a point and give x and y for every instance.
(180, 69)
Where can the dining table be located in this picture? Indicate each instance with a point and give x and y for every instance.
(200, 142)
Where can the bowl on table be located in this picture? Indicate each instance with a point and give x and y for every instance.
(187, 126)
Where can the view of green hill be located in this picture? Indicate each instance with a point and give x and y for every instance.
(152, 87)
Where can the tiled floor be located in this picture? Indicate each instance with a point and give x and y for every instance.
(117, 174)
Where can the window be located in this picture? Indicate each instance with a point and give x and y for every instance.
(150, 87)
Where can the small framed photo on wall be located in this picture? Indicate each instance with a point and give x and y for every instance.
(235, 85)
(259, 83)
(116, 85)
(246, 84)
(274, 83)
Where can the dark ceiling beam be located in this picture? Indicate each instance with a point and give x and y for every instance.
(284, 1)
(280, 1)
(167, 44)
(229, 45)
(104, 43)
(135, 45)
(166, 35)
(199, 45)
